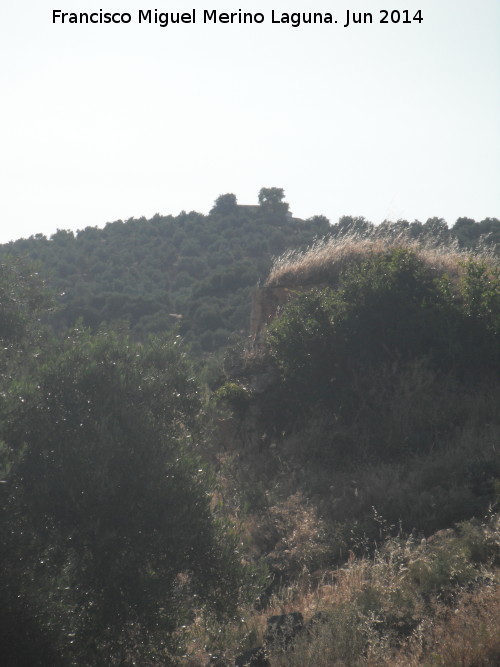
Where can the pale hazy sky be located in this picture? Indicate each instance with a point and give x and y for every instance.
(101, 122)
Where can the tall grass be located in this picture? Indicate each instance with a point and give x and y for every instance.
(325, 260)
(429, 602)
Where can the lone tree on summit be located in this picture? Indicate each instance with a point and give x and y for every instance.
(225, 204)
(271, 196)
(272, 199)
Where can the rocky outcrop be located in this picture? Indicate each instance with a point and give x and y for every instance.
(265, 304)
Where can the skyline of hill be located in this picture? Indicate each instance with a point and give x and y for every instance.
(192, 271)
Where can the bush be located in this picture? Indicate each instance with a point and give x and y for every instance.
(110, 531)
(389, 310)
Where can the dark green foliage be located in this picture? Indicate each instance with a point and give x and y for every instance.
(107, 495)
(388, 310)
(470, 233)
(383, 393)
(234, 396)
(153, 274)
(480, 291)
(108, 541)
(348, 224)
(149, 272)
(24, 642)
(225, 204)
(22, 298)
(271, 196)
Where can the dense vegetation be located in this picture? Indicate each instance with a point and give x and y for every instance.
(369, 413)
(108, 537)
(192, 269)
(387, 372)
(146, 519)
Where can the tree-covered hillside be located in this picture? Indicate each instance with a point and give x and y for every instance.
(343, 465)
(191, 269)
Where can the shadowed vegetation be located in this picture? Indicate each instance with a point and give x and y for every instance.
(343, 467)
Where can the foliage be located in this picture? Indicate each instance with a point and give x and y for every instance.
(368, 411)
(272, 200)
(233, 395)
(109, 540)
(378, 392)
(192, 270)
(22, 301)
(156, 273)
(353, 240)
(225, 204)
(389, 309)
(413, 602)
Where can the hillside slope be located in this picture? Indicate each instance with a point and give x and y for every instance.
(376, 387)
(192, 270)
(359, 455)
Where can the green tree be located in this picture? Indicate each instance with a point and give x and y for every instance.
(22, 299)
(437, 230)
(24, 642)
(225, 204)
(108, 539)
(349, 224)
(271, 199)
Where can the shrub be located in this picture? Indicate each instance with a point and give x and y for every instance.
(110, 531)
(389, 310)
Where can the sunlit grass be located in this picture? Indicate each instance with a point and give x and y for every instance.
(325, 260)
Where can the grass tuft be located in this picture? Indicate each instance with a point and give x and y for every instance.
(325, 260)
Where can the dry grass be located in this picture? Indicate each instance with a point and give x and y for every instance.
(467, 634)
(412, 604)
(324, 261)
(292, 537)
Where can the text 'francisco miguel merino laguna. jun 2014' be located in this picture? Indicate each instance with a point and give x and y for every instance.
(344, 18)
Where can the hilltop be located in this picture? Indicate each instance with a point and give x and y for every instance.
(191, 271)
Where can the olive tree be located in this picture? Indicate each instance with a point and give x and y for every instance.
(108, 537)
